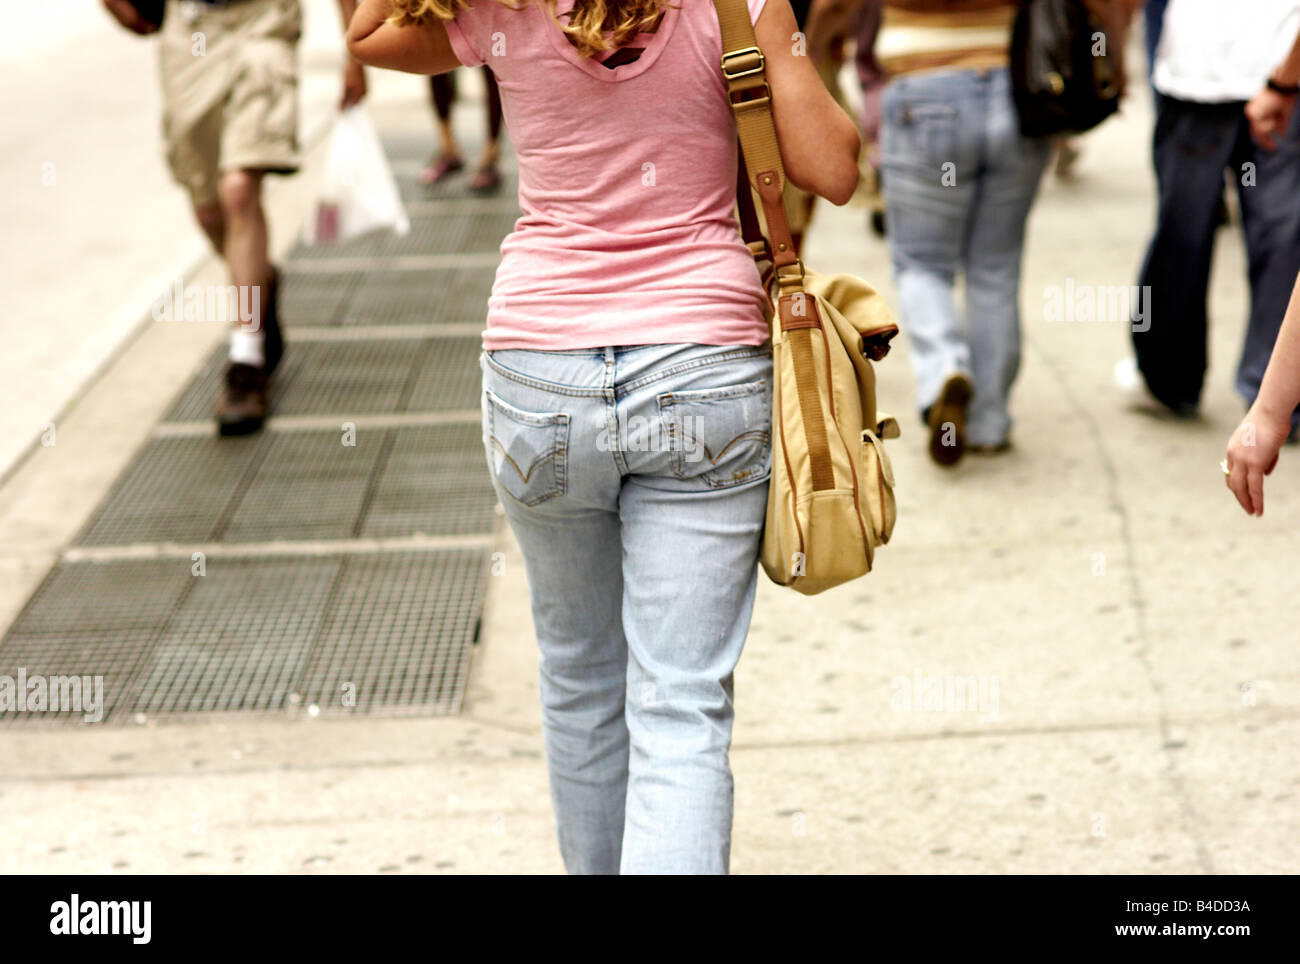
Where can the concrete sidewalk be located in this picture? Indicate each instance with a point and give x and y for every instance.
(1127, 622)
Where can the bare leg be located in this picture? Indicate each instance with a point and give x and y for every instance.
(245, 236)
(213, 223)
(447, 160)
(492, 149)
(487, 178)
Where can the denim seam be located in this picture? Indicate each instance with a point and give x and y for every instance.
(735, 354)
(610, 393)
(553, 387)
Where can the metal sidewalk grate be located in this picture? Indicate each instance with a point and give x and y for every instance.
(315, 298)
(265, 635)
(270, 624)
(175, 490)
(374, 654)
(458, 295)
(354, 377)
(430, 234)
(435, 483)
(300, 486)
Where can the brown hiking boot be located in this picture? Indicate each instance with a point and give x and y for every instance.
(241, 409)
(947, 420)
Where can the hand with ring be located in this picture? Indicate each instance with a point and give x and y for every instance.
(1252, 454)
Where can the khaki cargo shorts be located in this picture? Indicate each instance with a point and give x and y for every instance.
(230, 89)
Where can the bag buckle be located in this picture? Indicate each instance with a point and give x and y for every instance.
(790, 276)
(745, 62)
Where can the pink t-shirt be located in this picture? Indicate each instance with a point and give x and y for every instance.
(627, 179)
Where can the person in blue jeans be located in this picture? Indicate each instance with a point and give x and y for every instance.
(627, 386)
(641, 551)
(959, 181)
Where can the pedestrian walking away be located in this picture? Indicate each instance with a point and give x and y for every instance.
(1227, 88)
(230, 117)
(959, 180)
(627, 386)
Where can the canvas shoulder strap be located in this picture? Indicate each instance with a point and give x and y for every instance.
(745, 70)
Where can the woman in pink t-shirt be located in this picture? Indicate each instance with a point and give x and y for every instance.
(627, 385)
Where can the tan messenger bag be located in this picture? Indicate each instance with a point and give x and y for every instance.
(831, 502)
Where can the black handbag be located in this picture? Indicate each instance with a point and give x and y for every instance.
(151, 11)
(1063, 69)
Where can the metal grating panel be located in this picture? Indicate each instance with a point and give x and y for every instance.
(176, 490)
(96, 620)
(387, 611)
(421, 297)
(343, 378)
(348, 378)
(449, 233)
(238, 639)
(129, 595)
(114, 656)
(449, 376)
(251, 632)
(435, 483)
(315, 298)
(309, 486)
(255, 632)
(198, 400)
(302, 485)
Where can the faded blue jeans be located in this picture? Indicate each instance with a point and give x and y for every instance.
(959, 181)
(635, 480)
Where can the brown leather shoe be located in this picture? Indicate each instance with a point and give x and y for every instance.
(947, 420)
(241, 409)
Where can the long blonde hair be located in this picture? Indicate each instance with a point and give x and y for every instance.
(588, 21)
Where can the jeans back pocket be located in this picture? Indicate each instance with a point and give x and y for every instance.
(721, 436)
(526, 450)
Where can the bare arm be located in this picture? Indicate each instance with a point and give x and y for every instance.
(354, 76)
(828, 19)
(819, 142)
(416, 49)
(1254, 446)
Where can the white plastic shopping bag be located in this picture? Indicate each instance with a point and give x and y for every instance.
(357, 193)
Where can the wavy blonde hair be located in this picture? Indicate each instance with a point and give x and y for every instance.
(588, 21)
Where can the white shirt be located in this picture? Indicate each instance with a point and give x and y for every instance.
(1222, 50)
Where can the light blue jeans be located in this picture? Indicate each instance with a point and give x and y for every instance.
(635, 480)
(959, 181)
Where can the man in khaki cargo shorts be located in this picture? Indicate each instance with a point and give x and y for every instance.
(229, 71)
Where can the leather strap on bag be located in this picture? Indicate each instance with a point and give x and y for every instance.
(745, 70)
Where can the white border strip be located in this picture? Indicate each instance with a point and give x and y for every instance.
(394, 262)
(261, 550)
(316, 423)
(360, 331)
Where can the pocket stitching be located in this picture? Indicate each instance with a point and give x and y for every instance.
(558, 422)
(667, 400)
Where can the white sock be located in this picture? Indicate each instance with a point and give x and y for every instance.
(248, 347)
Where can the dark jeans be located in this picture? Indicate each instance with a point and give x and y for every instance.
(1194, 144)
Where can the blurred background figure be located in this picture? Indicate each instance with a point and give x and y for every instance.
(826, 48)
(449, 159)
(959, 181)
(229, 72)
(830, 25)
(1227, 88)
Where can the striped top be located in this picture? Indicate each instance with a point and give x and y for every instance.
(920, 35)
